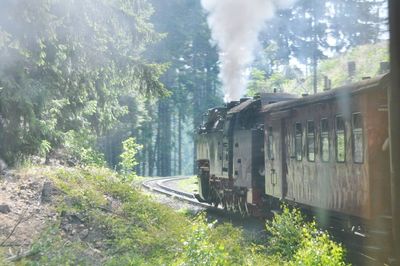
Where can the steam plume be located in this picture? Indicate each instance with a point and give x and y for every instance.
(235, 25)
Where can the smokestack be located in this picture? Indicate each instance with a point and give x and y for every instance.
(351, 68)
(327, 83)
(235, 26)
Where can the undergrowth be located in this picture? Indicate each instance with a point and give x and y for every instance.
(104, 221)
(125, 227)
(295, 241)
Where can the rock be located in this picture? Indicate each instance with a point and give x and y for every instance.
(33, 185)
(83, 234)
(4, 208)
(3, 165)
(48, 190)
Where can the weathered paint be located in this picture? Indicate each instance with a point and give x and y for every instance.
(356, 189)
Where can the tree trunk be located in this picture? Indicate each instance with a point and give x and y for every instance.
(164, 139)
(158, 141)
(180, 141)
(144, 149)
(315, 73)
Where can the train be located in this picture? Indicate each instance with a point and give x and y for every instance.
(326, 153)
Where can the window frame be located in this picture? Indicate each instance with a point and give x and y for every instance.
(307, 140)
(321, 134)
(336, 138)
(353, 138)
(300, 158)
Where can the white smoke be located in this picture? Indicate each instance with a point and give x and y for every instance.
(235, 26)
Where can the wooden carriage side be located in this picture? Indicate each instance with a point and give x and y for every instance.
(325, 151)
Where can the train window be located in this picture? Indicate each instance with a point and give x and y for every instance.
(358, 138)
(310, 141)
(298, 141)
(340, 139)
(325, 147)
(270, 144)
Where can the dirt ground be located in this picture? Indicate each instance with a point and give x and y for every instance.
(24, 212)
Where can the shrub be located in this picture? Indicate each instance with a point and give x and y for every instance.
(81, 147)
(298, 242)
(286, 232)
(318, 249)
(211, 244)
(128, 158)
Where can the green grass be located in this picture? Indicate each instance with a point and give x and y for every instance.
(189, 185)
(125, 227)
(135, 230)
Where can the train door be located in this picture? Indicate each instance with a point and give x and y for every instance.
(274, 159)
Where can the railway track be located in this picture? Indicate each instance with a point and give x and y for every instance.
(159, 185)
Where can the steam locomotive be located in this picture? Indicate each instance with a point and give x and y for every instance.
(326, 152)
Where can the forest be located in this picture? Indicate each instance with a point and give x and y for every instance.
(78, 78)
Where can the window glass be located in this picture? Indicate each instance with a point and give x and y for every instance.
(358, 139)
(325, 147)
(310, 141)
(340, 139)
(298, 141)
(270, 144)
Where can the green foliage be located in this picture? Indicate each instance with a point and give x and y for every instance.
(66, 65)
(44, 148)
(292, 80)
(286, 232)
(188, 184)
(208, 244)
(126, 226)
(297, 242)
(367, 58)
(128, 157)
(51, 249)
(318, 249)
(257, 82)
(80, 146)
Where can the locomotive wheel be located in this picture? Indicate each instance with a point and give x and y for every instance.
(215, 199)
(233, 204)
(244, 211)
(224, 204)
(230, 203)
